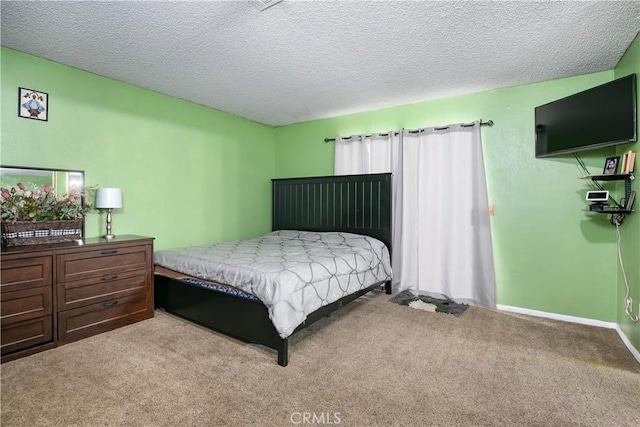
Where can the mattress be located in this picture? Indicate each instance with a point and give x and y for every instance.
(292, 272)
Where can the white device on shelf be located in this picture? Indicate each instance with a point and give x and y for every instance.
(597, 196)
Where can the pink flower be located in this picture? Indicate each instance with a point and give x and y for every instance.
(47, 188)
(5, 195)
(20, 186)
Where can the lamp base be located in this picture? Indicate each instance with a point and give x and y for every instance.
(109, 236)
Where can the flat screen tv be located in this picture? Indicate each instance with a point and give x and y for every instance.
(598, 117)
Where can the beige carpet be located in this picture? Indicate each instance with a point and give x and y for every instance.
(371, 363)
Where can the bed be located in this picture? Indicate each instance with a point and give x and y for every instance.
(334, 238)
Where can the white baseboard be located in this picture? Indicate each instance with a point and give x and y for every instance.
(574, 319)
(555, 316)
(626, 341)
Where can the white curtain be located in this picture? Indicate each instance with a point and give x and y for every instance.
(441, 235)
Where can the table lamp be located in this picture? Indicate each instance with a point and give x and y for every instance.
(109, 199)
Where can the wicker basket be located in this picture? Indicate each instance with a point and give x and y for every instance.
(38, 232)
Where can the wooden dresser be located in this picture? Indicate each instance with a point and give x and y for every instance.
(55, 294)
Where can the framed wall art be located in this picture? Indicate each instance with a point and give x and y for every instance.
(33, 104)
(611, 165)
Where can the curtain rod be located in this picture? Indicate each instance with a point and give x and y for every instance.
(464, 125)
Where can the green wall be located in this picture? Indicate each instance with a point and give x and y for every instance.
(192, 175)
(630, 229)
(549, 254)
(189, 174)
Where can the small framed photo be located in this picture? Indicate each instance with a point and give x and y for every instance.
(611, 165)
(33, 104)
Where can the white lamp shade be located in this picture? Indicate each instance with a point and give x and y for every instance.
(108, 198)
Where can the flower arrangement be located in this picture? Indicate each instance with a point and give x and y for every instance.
(41, 204)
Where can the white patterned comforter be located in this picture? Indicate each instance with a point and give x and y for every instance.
(292, 272)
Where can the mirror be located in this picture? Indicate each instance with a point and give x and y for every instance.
(63, 180)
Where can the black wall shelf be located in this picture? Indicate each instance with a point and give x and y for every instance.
(616, 177)
(616, 210)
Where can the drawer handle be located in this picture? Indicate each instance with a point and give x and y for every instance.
(111, 252)
(108, 278)
(110, 303)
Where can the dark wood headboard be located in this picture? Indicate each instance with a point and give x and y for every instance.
(358, 204)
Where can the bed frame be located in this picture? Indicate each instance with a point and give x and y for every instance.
(351, 203)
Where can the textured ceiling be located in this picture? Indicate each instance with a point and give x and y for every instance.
(303, 60)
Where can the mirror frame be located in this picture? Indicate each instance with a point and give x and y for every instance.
(52, 170)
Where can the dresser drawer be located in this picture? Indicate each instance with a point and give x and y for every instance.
(25, 304)
(25, 273)
(94, 319)
(22, 335)
(94, 290)
(104, 262)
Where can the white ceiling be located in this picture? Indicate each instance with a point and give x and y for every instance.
(304, 60)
